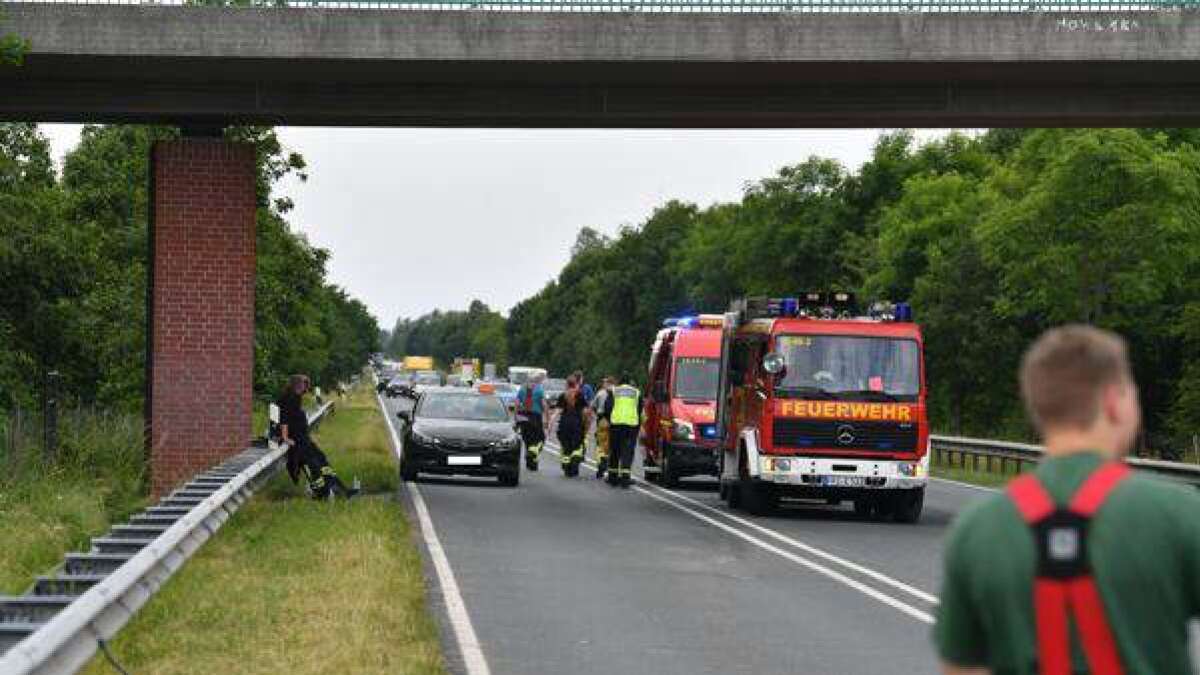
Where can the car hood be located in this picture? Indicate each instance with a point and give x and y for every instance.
(463, 430)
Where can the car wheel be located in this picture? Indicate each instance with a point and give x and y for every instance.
(756, 500)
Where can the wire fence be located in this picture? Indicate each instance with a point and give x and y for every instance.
(688, 6)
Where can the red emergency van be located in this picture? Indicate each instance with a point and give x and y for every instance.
(679, 427)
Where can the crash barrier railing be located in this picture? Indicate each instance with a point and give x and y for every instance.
(690, 6)
(59, 624)
(945, 448)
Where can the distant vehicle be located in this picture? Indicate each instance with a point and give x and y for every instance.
(398, 386)
(460, 432)
(489, 372)
(519, 374)
(418, 363)
(456, 380)
(504, 391)
(426, 379)
(553, 387)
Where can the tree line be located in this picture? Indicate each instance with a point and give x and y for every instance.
(992, 237)
(73, 265)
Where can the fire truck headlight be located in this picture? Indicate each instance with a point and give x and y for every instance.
(683, 430)
(910, 469)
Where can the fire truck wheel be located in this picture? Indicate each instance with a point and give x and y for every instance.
(907, 506)
(862, 507)
(756, 500)
(668, 478)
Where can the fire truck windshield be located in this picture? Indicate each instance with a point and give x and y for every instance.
(840, 366)
(696, 378)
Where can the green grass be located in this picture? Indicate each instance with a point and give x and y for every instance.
(993, 478)
(47, 510)
(293, 586)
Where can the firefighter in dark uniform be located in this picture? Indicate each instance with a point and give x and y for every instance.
(624, 407)
(1080, 566)
(303, 455)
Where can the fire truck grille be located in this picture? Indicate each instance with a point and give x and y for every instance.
(848, 435)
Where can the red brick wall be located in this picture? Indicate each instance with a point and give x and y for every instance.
(202, 306)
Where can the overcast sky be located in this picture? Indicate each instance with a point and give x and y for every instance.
(418, 219)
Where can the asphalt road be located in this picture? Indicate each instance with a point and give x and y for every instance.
(572, 576)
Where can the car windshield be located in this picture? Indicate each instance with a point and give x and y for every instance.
(462, 407)
(428, 379)
(839, 366)
(554, 385)
(501, 388)
(696, 378)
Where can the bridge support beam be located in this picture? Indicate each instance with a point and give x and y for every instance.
(201, 332)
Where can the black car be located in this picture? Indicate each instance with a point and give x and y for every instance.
(398, 386)
(460, 432)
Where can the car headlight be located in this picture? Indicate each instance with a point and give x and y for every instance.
(424, 439)
(683, 430)
(510, 443)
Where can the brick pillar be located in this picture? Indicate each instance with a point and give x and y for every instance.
(202, 240)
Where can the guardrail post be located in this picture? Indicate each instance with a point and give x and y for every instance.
(50, 417)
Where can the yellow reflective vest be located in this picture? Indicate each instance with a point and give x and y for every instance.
(625, 406)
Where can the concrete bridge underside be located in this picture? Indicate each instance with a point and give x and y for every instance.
(208, 65)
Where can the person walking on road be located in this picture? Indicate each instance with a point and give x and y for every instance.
(303, 455)
(573, 414)
(601, 412)
(1079, 566)
(625, 419)
(531, 419)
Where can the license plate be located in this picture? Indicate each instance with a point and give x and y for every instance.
(844, 481)
(464, 460)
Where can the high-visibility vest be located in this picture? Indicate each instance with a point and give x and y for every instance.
(625, 400)
(1064, 584)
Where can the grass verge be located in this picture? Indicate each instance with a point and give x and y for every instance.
(981, 477)
(49, 509)
(293, 586)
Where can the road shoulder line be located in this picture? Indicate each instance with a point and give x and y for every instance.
(456, 608)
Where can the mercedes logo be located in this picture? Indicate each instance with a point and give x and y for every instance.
(845, 434)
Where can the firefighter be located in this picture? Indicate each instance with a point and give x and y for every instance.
(303, 455)
(1079, 566)
(625, 418)
(573, 414)
(531, 419)
(600, 412)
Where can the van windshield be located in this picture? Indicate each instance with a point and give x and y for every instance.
(696, 378)
(849, 367)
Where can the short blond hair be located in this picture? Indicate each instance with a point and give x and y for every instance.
(1066, 370)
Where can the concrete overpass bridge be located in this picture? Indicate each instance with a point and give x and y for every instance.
(583, 63)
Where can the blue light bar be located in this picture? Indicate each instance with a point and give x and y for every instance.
(904, 312)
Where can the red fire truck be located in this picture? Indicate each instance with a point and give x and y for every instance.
(679, 431)
(821, 403)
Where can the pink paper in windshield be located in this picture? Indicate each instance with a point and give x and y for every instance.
(875, 383)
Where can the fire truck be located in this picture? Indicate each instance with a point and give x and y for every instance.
(679, 431)
(822, 402)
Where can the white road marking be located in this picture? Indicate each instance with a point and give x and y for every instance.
(804, 562)
(807, 548)
(959, 483)
(460, 620)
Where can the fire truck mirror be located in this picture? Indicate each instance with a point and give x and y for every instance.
(774, 363)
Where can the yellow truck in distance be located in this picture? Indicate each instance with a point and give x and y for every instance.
(414, 364)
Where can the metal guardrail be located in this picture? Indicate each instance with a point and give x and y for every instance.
(688, 6)
(946, 447)
(56, 627)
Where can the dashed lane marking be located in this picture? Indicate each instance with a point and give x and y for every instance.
(460, 620)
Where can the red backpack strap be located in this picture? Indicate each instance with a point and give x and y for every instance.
(1053, 629)
(1031, 499)
(1094, 632)
(1097, 487)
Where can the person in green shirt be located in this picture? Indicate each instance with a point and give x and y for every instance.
(1143, 544)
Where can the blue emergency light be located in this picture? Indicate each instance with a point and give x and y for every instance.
(904, 312)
